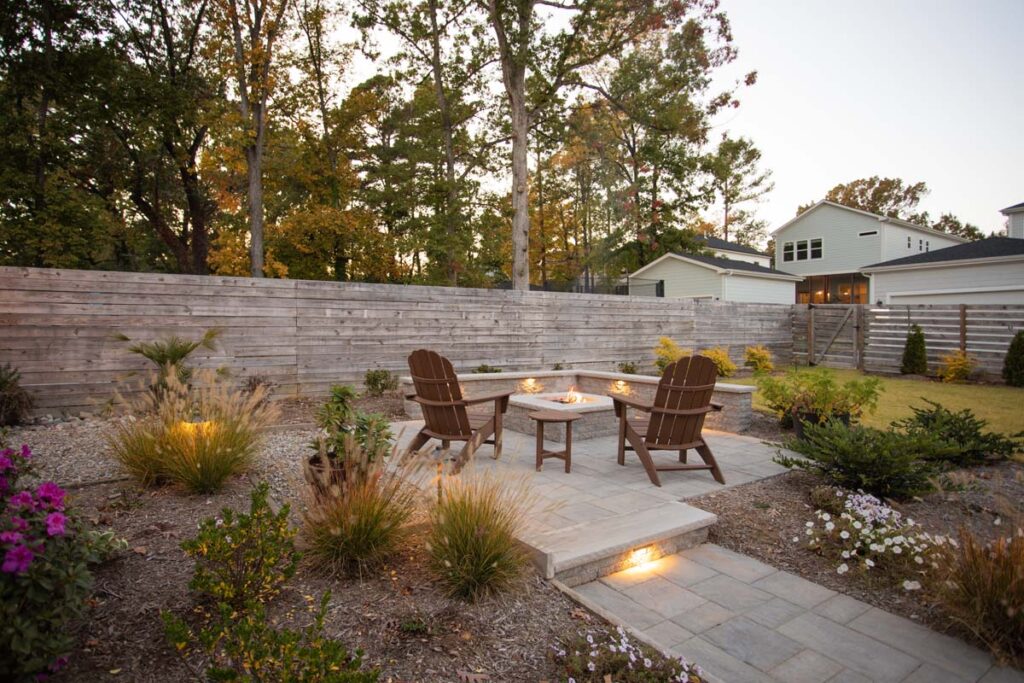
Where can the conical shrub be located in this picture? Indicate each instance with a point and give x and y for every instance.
(1013, 364)
(915, 358)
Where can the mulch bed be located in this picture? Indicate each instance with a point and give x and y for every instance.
(399, 615)
(302, 411)
(762, 518)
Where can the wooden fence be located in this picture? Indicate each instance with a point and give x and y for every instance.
(59, 328)
(872, 338)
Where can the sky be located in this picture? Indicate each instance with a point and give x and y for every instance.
(927, 91)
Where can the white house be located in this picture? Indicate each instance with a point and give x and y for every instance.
(989, 271)
(829, 245)
(695, 276)
(736, 252)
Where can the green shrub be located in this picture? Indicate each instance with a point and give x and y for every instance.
(600, 657)
(887, 464)
(759, 358)
(472, 539)
(915, 357)
(956, 366)
(45, 578)
(243, 646)
(339, 420)
(170, 353)
(981, 588)
(355, 527)
(195, 438)
(337, 413)
(1013, 364)
(962, 430)
(379, 382)
(719, 355)
(557, 366)
(817, 391)
(15, 401)
(667, 351)
(243, 558)
(484, 369)
(628, 368)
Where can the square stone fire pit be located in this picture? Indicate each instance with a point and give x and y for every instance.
(542, 390)
(598, 414)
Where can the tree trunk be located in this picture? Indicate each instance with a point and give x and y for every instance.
(520, 188)
(254, 163)
(198, 214)
(451, 191)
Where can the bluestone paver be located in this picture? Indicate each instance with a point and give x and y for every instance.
(794, 589)
(750, 642)
(667, 635)
(774, 613)
(717, 662)
(842, 609)
(682, 571)
(700, 619)
(629, 611)
(731, 593)
(807, 666)
(730, 563)
(664, 597)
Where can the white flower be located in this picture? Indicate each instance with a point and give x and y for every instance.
(590, 666)
(809, 524)
(810, 532)
(857, 525)
(844, 534)
(826, 517)
(829, 526)
(842, 569)
(647, 663)
(919, 559)
(909, 585)
(869, 562)
(997, 521)
(796, 539)
(846, 554)
(897, 550)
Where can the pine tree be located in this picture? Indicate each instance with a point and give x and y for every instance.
(915, 360)
(1013, 365)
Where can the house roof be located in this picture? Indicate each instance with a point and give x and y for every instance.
(881, 219)
(724, 266)
(723, 245)
(989, 248)
(1016, 208)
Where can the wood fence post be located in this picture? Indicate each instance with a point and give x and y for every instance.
(810, 334)
(963, 328)
(858, 336)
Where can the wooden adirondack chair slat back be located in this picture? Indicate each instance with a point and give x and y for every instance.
(434, 378)
(685, 385)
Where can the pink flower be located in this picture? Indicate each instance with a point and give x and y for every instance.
(17, 560)
(5, 463)
(26, 452)
(10, 537)
(55, 524)
(22, 499)
(51, 495)
(19, 524)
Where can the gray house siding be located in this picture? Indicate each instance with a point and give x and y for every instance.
(843, 250)
(990, 283)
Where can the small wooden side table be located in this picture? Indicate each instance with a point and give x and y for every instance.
(554, 417)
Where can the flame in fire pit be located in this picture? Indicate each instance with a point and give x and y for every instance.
(572, 396)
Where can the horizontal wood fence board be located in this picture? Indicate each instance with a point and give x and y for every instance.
(60, 329)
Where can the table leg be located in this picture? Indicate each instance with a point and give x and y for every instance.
(540, 445)
(568, 446)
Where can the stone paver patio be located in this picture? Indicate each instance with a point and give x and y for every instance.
(743, 621)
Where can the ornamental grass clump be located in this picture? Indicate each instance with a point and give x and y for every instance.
(601, 657)
(243, 558)
(357, 513)
(981, 588)
(45, 577)
(194, 437)
(472, 542)
(869, 537)
(15, 401)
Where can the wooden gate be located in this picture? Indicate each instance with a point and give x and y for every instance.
(829, 334)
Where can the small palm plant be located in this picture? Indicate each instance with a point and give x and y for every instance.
(171, 353)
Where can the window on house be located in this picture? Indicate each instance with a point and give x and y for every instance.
(801, 250)
(908, 241)
(868, 233)
(927, 246)
(787, 251)
(816, 248)
(920, 245)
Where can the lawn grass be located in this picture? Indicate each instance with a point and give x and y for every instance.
(1002, 406)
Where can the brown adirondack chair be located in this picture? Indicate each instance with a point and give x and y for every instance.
(445, 410)
(676, 417)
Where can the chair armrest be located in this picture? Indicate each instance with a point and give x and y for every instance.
(717, 407)
(623, 400)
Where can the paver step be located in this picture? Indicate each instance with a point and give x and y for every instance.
(589, 550)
